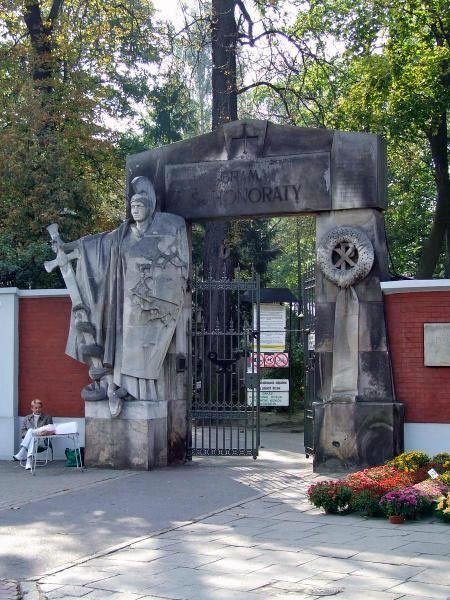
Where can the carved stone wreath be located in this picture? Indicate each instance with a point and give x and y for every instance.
(345, 256)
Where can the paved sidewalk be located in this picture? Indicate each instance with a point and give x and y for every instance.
(61, 515)
(269, 544)
(272, 547)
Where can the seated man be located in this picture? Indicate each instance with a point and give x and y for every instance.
(31, 422)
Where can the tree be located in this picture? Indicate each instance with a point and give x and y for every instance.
(217, 255)
(398, 82)
(171, 115)
(66, 68)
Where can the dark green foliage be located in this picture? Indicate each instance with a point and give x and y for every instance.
(332, 496)
(368, 502)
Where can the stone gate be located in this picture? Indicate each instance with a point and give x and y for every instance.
(256, 168)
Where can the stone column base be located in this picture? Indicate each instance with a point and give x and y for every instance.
(137, 439)
(177, 431)
(349, 436)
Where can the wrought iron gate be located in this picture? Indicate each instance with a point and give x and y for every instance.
(309, 354)
(224, 411)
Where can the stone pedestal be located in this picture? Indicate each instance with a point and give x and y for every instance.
(355, 435)
(137, 439)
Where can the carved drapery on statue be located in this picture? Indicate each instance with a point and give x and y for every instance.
(345, 256)
(132, 285)
(133, 288)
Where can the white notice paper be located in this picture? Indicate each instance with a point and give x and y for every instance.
(272, 327)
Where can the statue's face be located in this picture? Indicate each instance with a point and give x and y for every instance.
(139, 210)
(142, 206)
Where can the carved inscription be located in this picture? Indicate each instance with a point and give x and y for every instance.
(266, 186)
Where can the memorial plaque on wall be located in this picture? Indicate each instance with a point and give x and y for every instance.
(436, 341)
(263, 186)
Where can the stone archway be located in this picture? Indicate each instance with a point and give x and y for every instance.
(255, 168)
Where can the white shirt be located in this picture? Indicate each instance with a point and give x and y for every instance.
(36, 419)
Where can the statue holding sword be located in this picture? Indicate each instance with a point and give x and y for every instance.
(127, 294)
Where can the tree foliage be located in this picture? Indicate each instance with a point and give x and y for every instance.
(382, 67)
(70, 68)
(65, 69)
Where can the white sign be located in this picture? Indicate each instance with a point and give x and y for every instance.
(311, 342)
(272, 327)
(274, 385)
(274, 399)
(273, 392)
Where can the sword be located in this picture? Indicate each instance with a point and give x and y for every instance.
(63, 261)
(84, 328)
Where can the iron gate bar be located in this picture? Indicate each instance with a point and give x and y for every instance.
(223, 420)
(309, 356)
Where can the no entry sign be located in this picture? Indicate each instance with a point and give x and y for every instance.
(268, 361)
(281, 359)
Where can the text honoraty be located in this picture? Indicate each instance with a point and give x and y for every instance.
(265, 186)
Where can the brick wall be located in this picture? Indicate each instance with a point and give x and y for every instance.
(45, 371)
(425, 391)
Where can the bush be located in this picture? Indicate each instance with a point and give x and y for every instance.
(332, 496)
(366, 501)
(443, 507)
(409, 462)
(445, 478)
(443, 458)
(407, 502)
(432, 488)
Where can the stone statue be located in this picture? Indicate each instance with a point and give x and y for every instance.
(127, 295)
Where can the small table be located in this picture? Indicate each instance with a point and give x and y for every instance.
(75, 437)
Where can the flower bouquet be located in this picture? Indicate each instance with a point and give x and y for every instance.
(445, 478)
(443, 459)
(432, 488)
(406, 503)
(409, 462)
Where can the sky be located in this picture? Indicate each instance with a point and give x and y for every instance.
(169, 9)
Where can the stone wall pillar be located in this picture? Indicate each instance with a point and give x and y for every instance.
(9, 362)
(366, 428)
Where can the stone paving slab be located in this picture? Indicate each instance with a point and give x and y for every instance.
(61, 515)
(9, 590)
